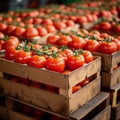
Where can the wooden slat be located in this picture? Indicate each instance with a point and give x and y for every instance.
(84, 110)
(104, 114)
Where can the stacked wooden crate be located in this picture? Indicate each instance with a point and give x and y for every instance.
(64, 103)
(111, 80)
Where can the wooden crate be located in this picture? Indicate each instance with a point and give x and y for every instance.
(96, 109)
(114, 101)
(109, 61)
(110, 75)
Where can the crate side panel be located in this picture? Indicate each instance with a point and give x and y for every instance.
(84, 95)
(47, 100)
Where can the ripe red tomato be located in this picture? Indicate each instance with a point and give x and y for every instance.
(92, 45)
(70, 23)
(42, 31)
(10, 52)
(59, 25)
(108, 47)
(75, 62)
(22, 57)
(55, 64)
(11, 41)
(3, 27)
(9, 30)
(50, 28)
(105, 26)
(64, 40)
(52, 39)
(37, 20)
(84, 82)
(76, 88)
(30, 32)
(77, 42)
(37, 61)
(82, 19)
(19, 31)
(88, 56)
(117, 41)
(47, 21)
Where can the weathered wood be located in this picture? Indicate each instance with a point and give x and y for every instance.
(108, 61)
(113, 93)
(63, 105)
(110, 79)
(84, 110)
(104, 115)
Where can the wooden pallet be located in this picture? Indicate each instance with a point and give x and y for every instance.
(96, 109)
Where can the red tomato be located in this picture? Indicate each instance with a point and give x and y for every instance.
(64, 40)
(84, 82)
(108, 47)
(50, 29)
(117, 41)
(55, 64)
(22, 57)
(59, 25)
(105, 26)
(66, 71)
(30, 32)
(18, 31)
(70, 23)
(81, 19)
(42, 31)
(10, 52)
(37, 61)
(37, 20)
(67, 51)
(88, 56)
(52, 39)
(47, 21)
(92, 45)
(74, 62)
(77, 42)
(3, 27)
(9, 30)
(11, 41)
(76, 88)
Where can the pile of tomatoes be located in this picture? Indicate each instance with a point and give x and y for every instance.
(48, 56)
(93, 41)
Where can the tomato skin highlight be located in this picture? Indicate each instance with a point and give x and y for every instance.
(55, 64)
(37, 61)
